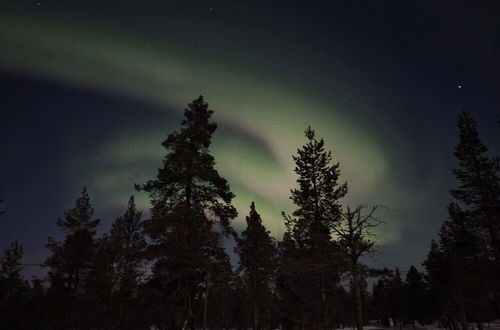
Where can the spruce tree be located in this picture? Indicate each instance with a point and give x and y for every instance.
(127, 245)
(466, 268)
(98, 308)
(469, 238)
(310, 228)
(479, 185)
(415, 296)
(290, 293)
(70, 260)
(217, 291)
(257, 253)
(395, 289)
(191, 206)
(380, 298)
(10, 262)
(14, 289)
(436, 274)
(317, 197)
(478, 197)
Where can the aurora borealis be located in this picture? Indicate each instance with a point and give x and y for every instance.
(98, 86)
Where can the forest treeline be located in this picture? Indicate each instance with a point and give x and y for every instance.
(171, 270)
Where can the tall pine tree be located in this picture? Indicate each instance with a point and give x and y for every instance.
(478, 198)
(479, 185)
(191, 206)
(415, 296)
(468, 247)
(436, 277)
(127, 244)
(257, 253)
(70, 261)
(309, 230)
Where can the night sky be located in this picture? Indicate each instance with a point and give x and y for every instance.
(89, 90)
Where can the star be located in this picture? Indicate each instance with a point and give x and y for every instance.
(459, 86)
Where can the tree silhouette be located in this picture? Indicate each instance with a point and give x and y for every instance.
(415, 296)
(127, 245)
(309, 229)
(172, 271)
(436, 276)
(13, 288)
(354, 239)
(478, 199)
(257, 253)
(381, 298)
(97, 306)
(468, 268)
(396, 298)
(190, 202)
(479, 184)
(71, 260)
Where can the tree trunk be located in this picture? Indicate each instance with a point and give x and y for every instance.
(323, 302)
(205, 307)
(255, 309)
(189, 317)
(255, 317)
(463, 316)
(357, 297)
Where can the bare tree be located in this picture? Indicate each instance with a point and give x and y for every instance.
(355, 238)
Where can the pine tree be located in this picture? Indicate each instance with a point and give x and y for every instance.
(309, 230)
(36, 306)
(71, 260)
(112, 284)
(257, 253)
(191, 202)
(317, 196)
(478, 199)
(10, 262)
(467, 269)
(479, 185)
(290, 293)
(380, 298)
(13, 288)
(436, 275)
(469, 238)
(127, 245)
(415, 296)
(97, 307)
(217, 291)
(395, 289)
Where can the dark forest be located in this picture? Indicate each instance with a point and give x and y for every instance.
(170, 269)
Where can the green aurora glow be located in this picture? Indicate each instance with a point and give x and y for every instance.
(261, 117)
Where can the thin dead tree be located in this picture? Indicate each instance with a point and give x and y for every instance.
(356, 238)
